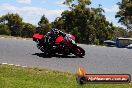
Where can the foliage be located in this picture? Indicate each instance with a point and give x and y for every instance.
(4, 30)
(43, 25)
(88, 24)
(120, 32)
(125, 13)
(58, 23)
(14, 22)
(130, 34)
(28, 30)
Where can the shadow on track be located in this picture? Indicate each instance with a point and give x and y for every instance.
(56, 55)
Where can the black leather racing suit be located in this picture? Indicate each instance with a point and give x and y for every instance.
(50, 37)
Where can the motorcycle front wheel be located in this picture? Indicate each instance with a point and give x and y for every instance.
(78, 51)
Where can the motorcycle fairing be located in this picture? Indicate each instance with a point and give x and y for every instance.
(38, 36)
(59, 39)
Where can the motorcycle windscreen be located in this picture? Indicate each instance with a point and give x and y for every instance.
(59, 39)
(72, 36)
(38, 36)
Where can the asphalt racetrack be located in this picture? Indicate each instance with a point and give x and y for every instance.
(98, 59)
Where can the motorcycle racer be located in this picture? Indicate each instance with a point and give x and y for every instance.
(50, 37)
(58, 42)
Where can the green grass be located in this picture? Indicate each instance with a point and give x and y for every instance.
(7, 36)
(18, 77)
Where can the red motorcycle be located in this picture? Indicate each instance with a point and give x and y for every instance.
(63, 45)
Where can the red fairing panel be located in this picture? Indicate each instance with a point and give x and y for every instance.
(59, 39)
(38, 36)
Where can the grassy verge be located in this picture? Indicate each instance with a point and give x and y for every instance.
(18, 77)
(7, 36)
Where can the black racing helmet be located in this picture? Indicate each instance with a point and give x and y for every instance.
(55, 31)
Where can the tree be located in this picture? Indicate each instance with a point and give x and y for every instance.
(4, 30)
(130, 34)
(120, 32)
(125, 13)
(28, 30)
(43, 25)
(89, 25)
(58, 23)
(14, 22)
